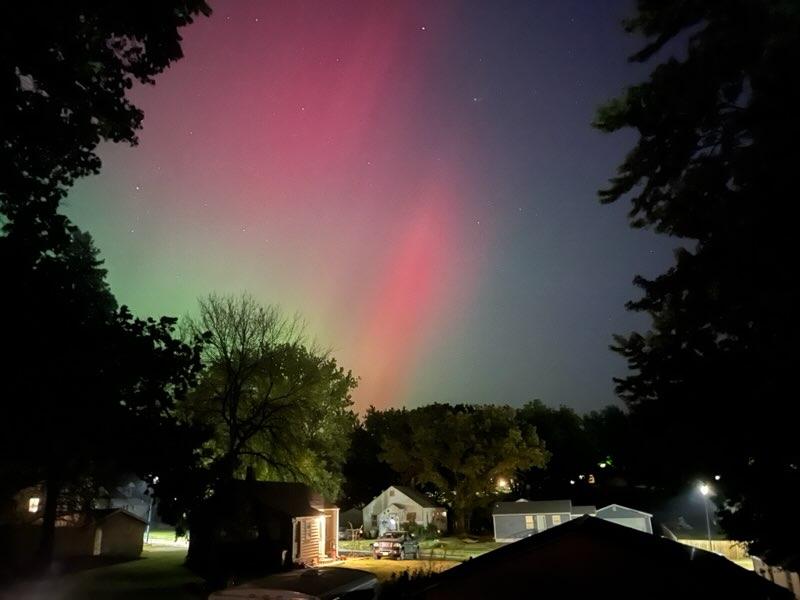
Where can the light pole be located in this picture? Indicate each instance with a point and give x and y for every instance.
(705, 490)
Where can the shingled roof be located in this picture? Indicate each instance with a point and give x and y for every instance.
(592, 558)
(536, 507)
(416, 496)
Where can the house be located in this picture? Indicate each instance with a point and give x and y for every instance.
(516, 520)
(581, 510)
(254, 527)
(629, 517)
(399, 505)
(589, 557)
(133, 495)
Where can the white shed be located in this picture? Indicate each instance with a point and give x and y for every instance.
(629, 517)
(398, 505)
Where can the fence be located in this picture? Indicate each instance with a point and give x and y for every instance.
(727, 548)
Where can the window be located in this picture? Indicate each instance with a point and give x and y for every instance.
(33, 504)
(374, 520)
(391, 492)
(411, 517)
(556, 519)
(528, 521)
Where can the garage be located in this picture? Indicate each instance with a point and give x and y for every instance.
(627, 517)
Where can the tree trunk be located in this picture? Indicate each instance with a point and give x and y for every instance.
(52, 491)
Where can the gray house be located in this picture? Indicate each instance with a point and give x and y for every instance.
(629, 517)
(516, 520)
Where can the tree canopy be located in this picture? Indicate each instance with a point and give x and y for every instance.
(714, 165)
(461, 452)
(274, 403)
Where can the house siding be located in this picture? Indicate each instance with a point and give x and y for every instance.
(122, 536)
(623, 516)
(309, 541)
(513, 527)
(422, 515)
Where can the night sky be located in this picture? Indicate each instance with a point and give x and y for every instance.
(418, 179)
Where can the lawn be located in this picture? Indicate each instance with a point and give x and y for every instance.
(158, 575)
(384, 569)
(449, 548)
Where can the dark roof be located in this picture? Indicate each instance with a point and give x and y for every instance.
(592, 558)
(96, 515)
(528, 507)
(416, 496)
(586, 509)
(289, 498)
(100, 514)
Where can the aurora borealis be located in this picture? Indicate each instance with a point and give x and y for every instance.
(417, 179)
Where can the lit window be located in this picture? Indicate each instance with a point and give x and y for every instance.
(529, 521)
(33, 504)
(556, 519)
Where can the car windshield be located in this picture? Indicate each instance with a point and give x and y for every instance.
(393, 534)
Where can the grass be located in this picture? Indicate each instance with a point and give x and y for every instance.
(451, 548)
(158, 575)
(384, 569)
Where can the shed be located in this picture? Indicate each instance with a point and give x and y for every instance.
(253, 527)
(629, 517)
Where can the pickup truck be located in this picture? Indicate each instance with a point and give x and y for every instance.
(396, 544)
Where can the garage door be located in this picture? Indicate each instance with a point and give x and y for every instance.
(633, 523)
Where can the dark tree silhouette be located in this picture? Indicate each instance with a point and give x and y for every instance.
(65, 68)
(365, 473)
(715, 165)
(87, 388)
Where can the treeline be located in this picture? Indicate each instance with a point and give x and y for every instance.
(468, 456)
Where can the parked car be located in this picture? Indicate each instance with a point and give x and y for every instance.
(397, 544)
(324, 583)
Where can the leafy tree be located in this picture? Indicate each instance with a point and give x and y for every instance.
(365, 473)
(715, 166)
(562, 434)
(461, 451)
(65, 68)
(273, 403)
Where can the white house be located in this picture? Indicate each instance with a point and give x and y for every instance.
(397, 505)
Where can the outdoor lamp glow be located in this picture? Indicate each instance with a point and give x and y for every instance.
(704, 488)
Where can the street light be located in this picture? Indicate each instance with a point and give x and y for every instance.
(705, 490)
